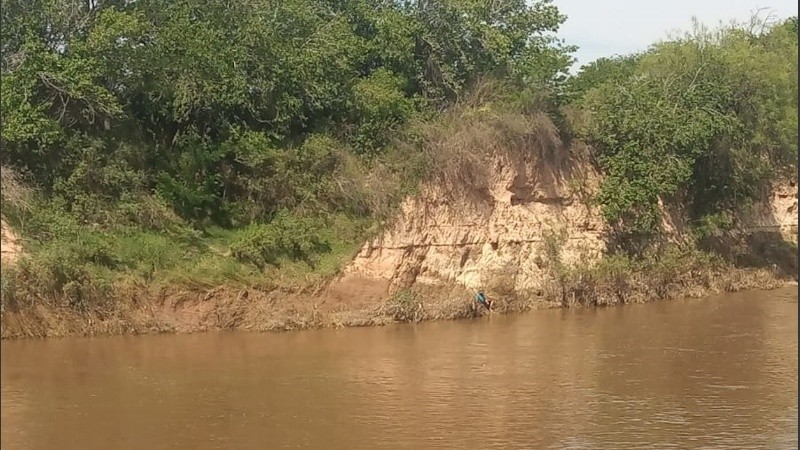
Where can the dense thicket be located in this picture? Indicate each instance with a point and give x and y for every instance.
(229, 111)
(707, 121)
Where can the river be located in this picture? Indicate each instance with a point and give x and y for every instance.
(713, 373)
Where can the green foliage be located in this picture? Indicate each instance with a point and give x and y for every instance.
(661, 272)
(285, 237)
(73, 263)
(192, 183)
(404, 306)
(230, 111)
(552, 243)
(381, 105)
(512, 39)
(713, 224)
(704, 120)
(614, 70)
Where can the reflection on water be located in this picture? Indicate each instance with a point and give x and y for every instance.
(714, 373)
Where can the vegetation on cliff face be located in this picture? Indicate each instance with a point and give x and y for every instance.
(201, 143)
(706, 120)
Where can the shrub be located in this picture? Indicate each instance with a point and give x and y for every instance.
(707, 120)
(456, 149)
(286, 236)
(76, 271)
(712, 224)
(404, 306)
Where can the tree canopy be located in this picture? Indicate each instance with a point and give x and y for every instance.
(706, 120)
(210, 104)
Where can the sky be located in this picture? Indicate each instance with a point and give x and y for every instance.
(618, 27)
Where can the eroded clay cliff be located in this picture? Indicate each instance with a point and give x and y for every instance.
(776, 215)
(501, 238)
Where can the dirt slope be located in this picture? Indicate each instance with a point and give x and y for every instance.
(497, 237)
(778, 214)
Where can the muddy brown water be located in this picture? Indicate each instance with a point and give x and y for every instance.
(718, 373)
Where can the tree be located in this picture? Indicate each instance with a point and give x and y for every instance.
(705, 119)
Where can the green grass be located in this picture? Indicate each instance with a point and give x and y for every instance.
(67, 261)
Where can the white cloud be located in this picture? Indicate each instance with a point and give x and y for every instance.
(609, 27)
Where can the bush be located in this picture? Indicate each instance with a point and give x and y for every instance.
(707, 120)
(660, 272)
(77, 271)
(404, 306)
(381, 105)
(456, 149)
(712, 225)
(149, 253)
(286, 236)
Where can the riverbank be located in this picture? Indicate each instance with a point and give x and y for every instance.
(359, 303)
(545, 249)
(392, 187)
